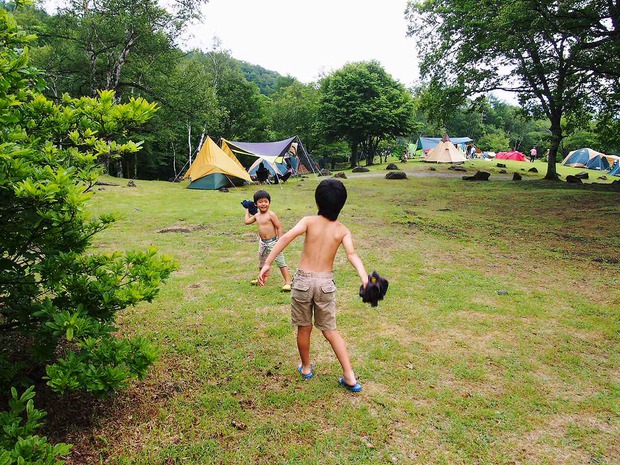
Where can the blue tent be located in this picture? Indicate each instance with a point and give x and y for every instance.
(282, 167)
(615, 169)
(586, 158)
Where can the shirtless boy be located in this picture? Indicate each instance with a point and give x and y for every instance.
(269, 230)
(313, 293)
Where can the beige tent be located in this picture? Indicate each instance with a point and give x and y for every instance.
(445, 152)
(213, 168)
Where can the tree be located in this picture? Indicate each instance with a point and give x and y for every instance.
(550, 53)
(363, 105)
(244, 107)
(58, 299)
(294, 111)
(111, 44)
(189, 111)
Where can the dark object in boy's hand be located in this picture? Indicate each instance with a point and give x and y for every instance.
(374, 291)
(251, 206)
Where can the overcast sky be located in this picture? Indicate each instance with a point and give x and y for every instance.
(308, 38)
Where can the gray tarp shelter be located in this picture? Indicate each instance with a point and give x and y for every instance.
(272, 152)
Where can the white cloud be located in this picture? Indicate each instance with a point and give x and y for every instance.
(306, 38)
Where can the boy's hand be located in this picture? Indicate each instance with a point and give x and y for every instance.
(374, 290)
(263, 275)
(250, 206)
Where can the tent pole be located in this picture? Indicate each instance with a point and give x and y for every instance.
(307, 156)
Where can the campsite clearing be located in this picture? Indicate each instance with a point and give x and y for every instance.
(454, 371)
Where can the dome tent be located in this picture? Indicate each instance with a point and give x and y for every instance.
(213, 169)
(586, 158)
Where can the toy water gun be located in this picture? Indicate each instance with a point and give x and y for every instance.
(251, 206)
(375, 290)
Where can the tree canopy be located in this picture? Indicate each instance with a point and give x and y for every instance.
(364, 105)
(550, 53)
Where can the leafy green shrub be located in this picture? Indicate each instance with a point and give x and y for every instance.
(18, 442)
(58, 300)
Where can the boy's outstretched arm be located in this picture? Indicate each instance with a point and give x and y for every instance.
(354, 260)
(285, 240)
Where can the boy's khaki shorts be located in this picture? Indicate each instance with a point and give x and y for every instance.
(314, 294)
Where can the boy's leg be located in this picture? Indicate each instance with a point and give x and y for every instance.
(303, 345)
(286, 274)
(340, 349)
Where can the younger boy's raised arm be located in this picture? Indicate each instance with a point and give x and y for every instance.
(249, 219)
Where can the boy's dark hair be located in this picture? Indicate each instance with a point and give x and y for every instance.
(330, 197)
(261, 195)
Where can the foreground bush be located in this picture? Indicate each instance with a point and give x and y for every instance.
(18, 443)
(57, 299)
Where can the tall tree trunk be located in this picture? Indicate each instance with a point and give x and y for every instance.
(189, 142)
(556, 138)
(354, 146)
(174, 161)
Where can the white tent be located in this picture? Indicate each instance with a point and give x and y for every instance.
(445, 152)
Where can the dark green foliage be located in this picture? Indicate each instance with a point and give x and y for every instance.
(363, 105)
(57, 299)
(267, 81)
(18, 442)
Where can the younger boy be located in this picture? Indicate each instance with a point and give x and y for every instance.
(313, 286)
(269, 230)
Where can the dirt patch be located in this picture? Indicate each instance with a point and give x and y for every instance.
(188, 228)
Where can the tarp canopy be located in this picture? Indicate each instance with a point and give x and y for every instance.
(512, 155)
(589, 159)
(445, 152)
(428, 143)
(269, 151)
(212, 168)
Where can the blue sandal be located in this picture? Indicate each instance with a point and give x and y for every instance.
(306, 375)
(356, 388)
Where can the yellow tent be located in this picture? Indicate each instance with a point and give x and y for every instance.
(213, 168)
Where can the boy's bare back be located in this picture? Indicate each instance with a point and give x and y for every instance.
(323, 237)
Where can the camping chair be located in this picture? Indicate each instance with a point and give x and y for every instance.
(262, 174)
(286, 175)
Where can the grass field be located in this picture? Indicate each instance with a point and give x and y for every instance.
(498, 341)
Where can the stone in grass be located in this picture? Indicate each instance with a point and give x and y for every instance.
(479, 176)
(340, 175)
(573, 179)
(360, 169)
(532, 170)
(516, 177)
(502, 292)
(392, 166)
(396, 175)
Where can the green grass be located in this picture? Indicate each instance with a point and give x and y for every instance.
(453, 371)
